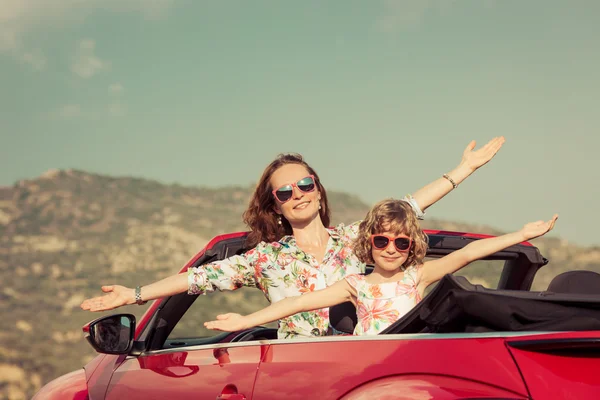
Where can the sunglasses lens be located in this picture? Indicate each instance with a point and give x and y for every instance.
(284, 194)
(402, 243)
(380, 242)
(307, 184)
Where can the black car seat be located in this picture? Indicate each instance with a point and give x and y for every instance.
(342, 317)
(576, 282)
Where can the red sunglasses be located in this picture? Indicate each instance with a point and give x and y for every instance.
(286, 192)
(380, 242)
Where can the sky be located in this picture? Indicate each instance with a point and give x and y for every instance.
(381, 97)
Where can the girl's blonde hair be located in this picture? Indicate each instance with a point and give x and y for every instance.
(393, 216)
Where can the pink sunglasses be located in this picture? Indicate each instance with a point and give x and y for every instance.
(286, 192)
(380, 242)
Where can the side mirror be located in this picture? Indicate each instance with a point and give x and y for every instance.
(112, 334)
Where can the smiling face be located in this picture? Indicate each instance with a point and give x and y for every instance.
(394, 218)
(303, 207)
(389, 258)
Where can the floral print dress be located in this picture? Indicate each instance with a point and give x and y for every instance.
(380, 305)
(281, 269)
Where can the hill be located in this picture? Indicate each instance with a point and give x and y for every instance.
(67, 232)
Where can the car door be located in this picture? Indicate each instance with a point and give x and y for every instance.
(391, 366)
(192, 362)
(202, 372)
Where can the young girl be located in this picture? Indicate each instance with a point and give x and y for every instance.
(391, 239)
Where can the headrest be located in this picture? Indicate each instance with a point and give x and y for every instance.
(576, 282)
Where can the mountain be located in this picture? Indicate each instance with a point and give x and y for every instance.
(67, 232)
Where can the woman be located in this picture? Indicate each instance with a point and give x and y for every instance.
(293, 251)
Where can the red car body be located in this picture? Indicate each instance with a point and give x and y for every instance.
(498, 365)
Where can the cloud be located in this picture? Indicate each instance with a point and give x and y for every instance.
(75, 111)
(117, 110)
(85, 63)
(21, 21)
(403, 14)
(8, 39)
(33, 58)
(27, 13)
(69, 111)
(115, 88)
(115, 107)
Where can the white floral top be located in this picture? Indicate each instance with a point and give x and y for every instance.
(281, 269)
(380, 305)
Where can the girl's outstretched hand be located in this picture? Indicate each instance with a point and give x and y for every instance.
(474, 159)
(230, 322)
(116, 296)
(538, 228)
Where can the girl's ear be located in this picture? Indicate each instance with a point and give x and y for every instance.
(276, 209)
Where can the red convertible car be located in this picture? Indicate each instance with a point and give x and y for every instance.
(463, 341)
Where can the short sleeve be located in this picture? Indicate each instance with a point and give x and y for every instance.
(354, 280)
(415, 206)
(229, 274)
(349, 232)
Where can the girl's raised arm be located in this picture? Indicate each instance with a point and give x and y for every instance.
(334, 294)
(433, 271)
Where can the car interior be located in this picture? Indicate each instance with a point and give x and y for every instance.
(572, 289)
(457, 306)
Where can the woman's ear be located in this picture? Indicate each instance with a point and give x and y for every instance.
(276, 209)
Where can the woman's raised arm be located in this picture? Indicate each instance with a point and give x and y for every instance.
(117, 295)
(470, 162)
(228, 274)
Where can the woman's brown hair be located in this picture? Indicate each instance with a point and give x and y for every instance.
(260, 215)
(394, 216)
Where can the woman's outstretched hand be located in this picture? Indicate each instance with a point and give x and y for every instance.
(116, 296)
(474, 159)
(538, 228)
(230, 322)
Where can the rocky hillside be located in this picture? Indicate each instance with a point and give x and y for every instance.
(65, 233)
